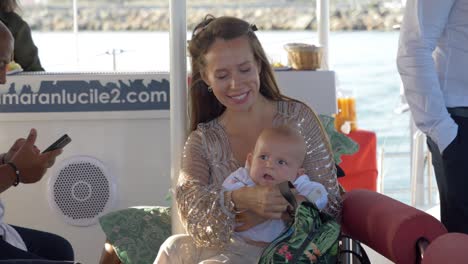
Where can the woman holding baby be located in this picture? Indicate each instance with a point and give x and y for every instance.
(233, 98)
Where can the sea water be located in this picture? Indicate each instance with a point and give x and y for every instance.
(364, 62)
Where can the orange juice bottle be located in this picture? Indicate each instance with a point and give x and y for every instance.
(338, 115)
(346, 111)
(342, 114)
(338, 121)
(352, 113)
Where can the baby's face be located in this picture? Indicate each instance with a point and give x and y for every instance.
(274, 162)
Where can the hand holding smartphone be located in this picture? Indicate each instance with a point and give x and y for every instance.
(60, 143)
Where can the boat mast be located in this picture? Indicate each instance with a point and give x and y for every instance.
(178, 96)
(323, 27)
(75, 29)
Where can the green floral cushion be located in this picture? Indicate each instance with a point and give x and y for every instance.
(341, 144)
(137, 233)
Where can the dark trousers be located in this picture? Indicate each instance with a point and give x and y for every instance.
(40, 245)
(451, 171)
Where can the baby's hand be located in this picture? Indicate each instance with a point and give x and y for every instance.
(300, 198)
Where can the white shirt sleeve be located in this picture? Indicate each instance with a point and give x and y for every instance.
(238, 179)
(314, 192)
(9, 234)
(423, 25)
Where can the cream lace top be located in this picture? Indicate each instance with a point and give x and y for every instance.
(207, 160)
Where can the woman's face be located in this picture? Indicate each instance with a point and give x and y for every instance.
(233, 73)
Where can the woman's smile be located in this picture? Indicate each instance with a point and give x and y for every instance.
(239, 98)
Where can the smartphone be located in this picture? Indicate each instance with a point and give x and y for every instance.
(60, 143)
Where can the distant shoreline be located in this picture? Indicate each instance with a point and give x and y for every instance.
(376, 16)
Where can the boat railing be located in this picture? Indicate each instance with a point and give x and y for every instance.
(422, 189)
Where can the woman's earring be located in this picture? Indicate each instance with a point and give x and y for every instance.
(210, 90)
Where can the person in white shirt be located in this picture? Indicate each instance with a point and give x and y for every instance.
(277, 157)
(24, 163)
(433, 61)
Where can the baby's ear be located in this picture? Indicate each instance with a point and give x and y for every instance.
(248, 162)
(300, 171)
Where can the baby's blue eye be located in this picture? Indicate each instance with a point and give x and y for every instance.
(282, 162)
(263, 157)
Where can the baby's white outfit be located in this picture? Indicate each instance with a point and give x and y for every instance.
(269, 230)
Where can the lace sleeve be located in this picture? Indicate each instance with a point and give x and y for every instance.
(201, 203)
(319, 163)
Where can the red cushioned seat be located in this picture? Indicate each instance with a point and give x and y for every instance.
(388, 226)
(449, 248)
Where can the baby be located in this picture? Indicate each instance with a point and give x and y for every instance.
(277, 157)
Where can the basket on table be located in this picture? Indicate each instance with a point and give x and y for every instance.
(304, 56)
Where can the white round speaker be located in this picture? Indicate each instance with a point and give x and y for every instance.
(81, 190)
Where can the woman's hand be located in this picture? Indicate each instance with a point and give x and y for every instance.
(32, 165)
(248, 219)
(265, 201)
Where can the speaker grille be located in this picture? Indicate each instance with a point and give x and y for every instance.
(81, 190)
